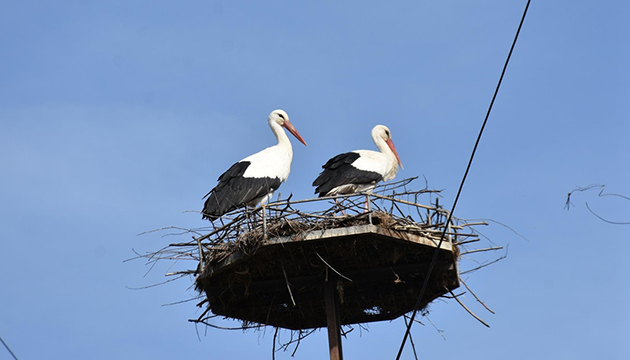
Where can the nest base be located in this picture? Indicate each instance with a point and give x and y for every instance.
(280, 281)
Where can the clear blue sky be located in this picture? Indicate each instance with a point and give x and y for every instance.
(115, 117)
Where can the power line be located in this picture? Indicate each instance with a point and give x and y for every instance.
(8, 349)
(472, 155)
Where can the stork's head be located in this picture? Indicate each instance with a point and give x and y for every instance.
(281, 118)
(383, 132)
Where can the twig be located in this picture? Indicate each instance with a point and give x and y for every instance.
(202, 316)
(467, 309)
(273, 348)
(286, 279)
(184, 231)
(589, 187)
(224, 327)
(182, 301)
(153, 285)
(201, 267)
(395, 184)
(498, 223)
(485, 264)
(473, 294)
(407, 202)
(602, 219)
(441, 332)
(297, 344)
(481, 250)
(458, 243)
(183, 272)
(301, 336)
(332, 268)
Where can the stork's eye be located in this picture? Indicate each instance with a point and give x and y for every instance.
(281, 116)
(387, 133)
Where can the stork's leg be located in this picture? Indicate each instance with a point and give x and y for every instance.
(338, 205)
(249, 214)
(254, 217)
(264, 221)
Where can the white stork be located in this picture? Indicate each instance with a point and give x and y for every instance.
(360, 170)
(252, 181)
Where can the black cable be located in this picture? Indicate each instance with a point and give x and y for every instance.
(8, 349)
(435, 254)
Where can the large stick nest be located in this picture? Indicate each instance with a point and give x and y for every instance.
(243, 279)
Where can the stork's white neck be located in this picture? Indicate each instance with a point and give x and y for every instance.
(281, 136)
(382, 146)
(392, 166)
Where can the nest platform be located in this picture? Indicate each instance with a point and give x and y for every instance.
(376, 264)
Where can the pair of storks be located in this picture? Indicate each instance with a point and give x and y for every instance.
(253, 180)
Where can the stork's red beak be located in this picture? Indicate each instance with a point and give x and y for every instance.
(287, 124)
(390, 143)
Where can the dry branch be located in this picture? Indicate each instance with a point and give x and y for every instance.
(473, 294)
(467, 309)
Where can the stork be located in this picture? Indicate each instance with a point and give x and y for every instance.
(253, 180)
(360, 170)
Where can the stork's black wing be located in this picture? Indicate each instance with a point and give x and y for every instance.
(339, 171)
(234, 191)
